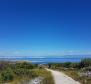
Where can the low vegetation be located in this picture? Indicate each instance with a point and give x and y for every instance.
(18, 72)
(79, 71)
(48, 79)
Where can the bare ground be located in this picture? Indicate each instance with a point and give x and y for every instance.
(61, 78)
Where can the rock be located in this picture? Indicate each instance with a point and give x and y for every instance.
(36, 80)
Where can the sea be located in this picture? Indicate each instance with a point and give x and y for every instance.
(49, 59)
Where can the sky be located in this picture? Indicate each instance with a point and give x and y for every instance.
(45, 27)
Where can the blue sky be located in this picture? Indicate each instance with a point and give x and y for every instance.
(45, 27)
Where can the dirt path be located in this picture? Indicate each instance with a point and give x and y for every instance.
(61, 78)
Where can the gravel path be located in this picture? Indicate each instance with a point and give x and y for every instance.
(61, 78)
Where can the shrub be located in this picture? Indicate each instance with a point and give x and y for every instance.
(6, 76)
(24, 65)
(85, 62)
(67, 64)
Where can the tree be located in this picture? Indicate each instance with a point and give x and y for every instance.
(85, 62)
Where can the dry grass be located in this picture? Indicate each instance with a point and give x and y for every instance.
(75, 75)
(48, 79)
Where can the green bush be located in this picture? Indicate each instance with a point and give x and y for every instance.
(67, 64)
(24, 65)
(24, 72)
(16, 70)
(6, 76)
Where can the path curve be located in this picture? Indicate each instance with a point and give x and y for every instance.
(61, 78)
